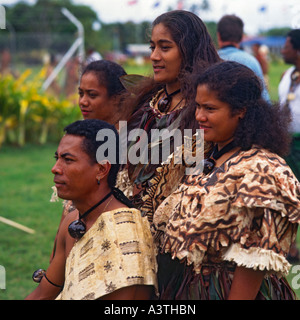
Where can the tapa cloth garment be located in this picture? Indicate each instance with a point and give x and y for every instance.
(116, 252)
(246, 211)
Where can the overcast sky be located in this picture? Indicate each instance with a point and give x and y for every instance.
(256, 14)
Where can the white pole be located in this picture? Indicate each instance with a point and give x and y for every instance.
(16, 225)
(80, 29)
(79, 43)
(61, 63)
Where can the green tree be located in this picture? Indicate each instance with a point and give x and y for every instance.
(277, 32)
(45, 17)
(212, 30)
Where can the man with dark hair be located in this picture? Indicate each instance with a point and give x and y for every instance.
(104, 248)
(289, 87)
(230, 30)
(289, 97)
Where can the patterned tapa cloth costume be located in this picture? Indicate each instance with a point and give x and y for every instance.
(244, 213)
(147, 117)
(116, 252)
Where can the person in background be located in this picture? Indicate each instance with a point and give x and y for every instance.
(104, 250)
(260, 52)
(5, 64)
(73, 67)
(289, 94)
(230, 31)
(225, 233)
(93, 55)
(289, 97)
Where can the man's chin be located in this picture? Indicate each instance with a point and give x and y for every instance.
(63, 196)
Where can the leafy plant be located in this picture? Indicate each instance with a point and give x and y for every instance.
(26, 112)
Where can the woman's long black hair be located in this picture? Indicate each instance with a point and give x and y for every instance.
(197, 52)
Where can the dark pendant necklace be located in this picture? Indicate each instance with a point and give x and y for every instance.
(209, 164)
(77, 228)
(164, 103)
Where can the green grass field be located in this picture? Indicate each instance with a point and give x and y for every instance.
(25, 191)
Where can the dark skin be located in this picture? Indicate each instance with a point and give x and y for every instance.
(56, 270)
(290, 54)
(246, 284)
(76, 179)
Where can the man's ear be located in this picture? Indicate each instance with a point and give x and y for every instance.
(103, 169)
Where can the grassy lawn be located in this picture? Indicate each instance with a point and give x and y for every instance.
(276, 70)
(25, 191)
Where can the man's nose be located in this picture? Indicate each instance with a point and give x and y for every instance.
(56, 169)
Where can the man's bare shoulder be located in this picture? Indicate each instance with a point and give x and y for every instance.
(65, 241)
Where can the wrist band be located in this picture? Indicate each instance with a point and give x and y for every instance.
(39, 274)
(55, 285)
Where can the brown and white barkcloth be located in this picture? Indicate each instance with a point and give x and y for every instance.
(247, 211)
(116, 252)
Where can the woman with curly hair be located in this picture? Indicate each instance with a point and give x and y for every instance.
(225, 234)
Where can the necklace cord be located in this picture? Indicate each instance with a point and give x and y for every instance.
(171, 94)
(217, 154)
(210, 163)
(95, 206)
(165, 103)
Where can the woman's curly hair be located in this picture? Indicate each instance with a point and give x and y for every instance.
(263, 124)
